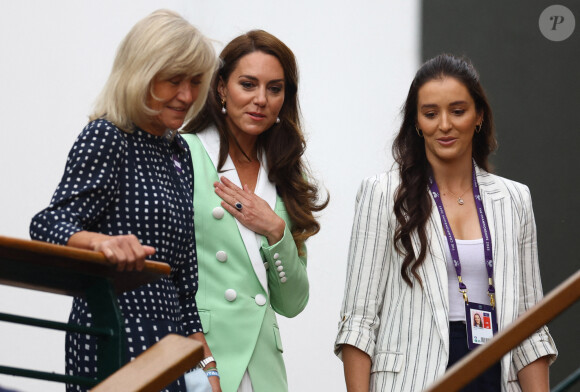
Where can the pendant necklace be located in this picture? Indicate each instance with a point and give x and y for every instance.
(460, 198)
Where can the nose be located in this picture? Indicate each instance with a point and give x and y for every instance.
(186, 93)
(260, 97)
(445, 122)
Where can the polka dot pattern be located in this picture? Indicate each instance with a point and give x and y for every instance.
(120, 183)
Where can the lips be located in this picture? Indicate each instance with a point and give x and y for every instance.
(177, 109)
(256, 116)
(446, 141)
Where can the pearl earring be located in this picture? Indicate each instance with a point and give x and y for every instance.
(277, 120)
(224, 110)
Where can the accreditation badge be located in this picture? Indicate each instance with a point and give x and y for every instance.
(481, 323)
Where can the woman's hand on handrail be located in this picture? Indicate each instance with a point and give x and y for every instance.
(123, 250)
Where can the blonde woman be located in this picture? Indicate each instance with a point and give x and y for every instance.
(127, 187)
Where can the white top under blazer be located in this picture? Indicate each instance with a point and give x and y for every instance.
(405, 330)
(473, 274)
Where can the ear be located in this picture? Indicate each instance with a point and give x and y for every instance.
(222, 89)
(480, 118)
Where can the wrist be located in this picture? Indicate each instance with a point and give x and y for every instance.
(207, 362)
(278, 233)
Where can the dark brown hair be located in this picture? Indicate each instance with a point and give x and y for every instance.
(283, 144)
(412, 205)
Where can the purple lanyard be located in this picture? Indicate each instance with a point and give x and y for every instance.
(451, 239)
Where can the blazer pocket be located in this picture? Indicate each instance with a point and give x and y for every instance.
(388, 361)
(278, 339)
(205, 317)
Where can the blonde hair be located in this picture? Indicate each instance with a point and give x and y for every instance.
(161, 45)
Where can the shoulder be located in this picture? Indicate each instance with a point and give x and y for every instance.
(206, 138)
(190, 139)
(505, 184)
(103, 131)
(386, 182)
(98, 137)
(182, 141)
(498, 186)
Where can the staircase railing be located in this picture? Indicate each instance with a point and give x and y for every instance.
(481, 359)
(75, 272)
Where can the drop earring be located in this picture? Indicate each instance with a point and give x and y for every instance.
(224, 110)
(277, 120)
(419, 132)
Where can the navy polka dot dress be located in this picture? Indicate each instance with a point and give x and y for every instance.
(120, 183)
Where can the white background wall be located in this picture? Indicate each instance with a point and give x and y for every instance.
(356, 62)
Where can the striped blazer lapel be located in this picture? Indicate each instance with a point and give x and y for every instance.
(500, 214)
(433, 273)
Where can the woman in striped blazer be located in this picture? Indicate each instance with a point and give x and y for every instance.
(403, 320)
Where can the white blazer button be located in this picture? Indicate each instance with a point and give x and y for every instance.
(218, 212)
(282, 274)
(266, 265)
(260, 299)
(276, 255)
(231, 295)
(283, 280)
(280, 268)
(278, 262)
(221, 256)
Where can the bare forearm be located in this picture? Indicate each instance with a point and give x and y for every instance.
(357, 369)
(214, 381)
(199, 336)
(86, 239)
(535, 376)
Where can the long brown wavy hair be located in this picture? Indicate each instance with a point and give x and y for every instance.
(412, 204)
(283, 144)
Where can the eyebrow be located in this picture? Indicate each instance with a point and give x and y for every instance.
(432, 105)
(256, 79)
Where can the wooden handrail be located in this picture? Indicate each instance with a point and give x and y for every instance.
(65, 270)
(53, 268)
(540, 314)
(155, 368)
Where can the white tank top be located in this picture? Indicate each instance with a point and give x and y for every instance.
(473, 273)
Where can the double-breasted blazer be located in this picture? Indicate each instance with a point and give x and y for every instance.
(243, 281)
(405, 330)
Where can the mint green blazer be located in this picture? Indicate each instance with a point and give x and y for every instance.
(243, 282)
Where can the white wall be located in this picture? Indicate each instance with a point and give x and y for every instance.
(356, 61)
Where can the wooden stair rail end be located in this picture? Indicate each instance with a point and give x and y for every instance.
(155, 368)
(482, 358)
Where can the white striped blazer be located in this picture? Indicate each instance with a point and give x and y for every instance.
(405, 330)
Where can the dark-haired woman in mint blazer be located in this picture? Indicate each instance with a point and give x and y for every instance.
(253, 211)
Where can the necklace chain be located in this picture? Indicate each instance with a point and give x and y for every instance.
(460, 200)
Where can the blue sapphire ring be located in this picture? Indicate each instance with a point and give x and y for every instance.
(238, 206)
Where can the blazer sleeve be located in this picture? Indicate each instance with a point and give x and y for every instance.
(368, 266)
(287, 277)
(540, 343)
